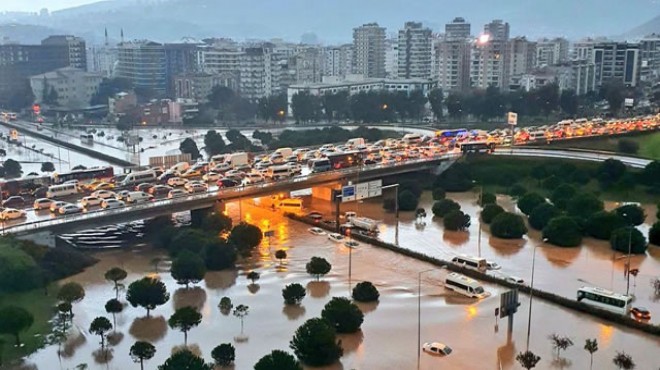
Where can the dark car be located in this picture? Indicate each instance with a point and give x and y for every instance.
(15, 201)
(40, 192)
(160, 189)
(641, 313)
(144, 187)
(227, 183)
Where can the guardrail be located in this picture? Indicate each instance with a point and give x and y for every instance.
(576, 155)
(203, 199)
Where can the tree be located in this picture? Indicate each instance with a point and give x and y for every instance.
(601, 224)
(71, 293)
(343, 315)
(12, 168)
(241, 311)
(253, 276)
(542, 214)
(435, 99)
(116, 274)
(293, 293)
(188, 268)
(141, 351)
(487, 198)
(517, 190)
(280, 254)
(454, 104)
(185, 360)
(113, 306)
(47, 167)
(583, 205)
(442, 207)
(528, 359)
(529, 201)
(213, 143)
(562, 194)
(456, 220)
(365, 292)
(560, 343)
(219, 255)
(650, 175)
(278, 360)
(612, 91)
(563, 231)
(489, 212)
(148, 293)
(14, 320)
(100, 326)
(305, 107)
(216, 222)
(623, 361)
(632, 214)
(318, 267)
(508, 225)
(225, 304)
(438, 193)
(184, 319)
(110, 87)
(654, 234)
(315, 343)
(224, 354)
(568, 101)
(610, 171)
(628, 238)
(245, 237)
(188, 146)
(408, 201)
(591, 346)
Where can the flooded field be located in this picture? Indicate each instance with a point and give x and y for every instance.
(388, 339)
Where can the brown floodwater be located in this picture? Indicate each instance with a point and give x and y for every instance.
(388, 339)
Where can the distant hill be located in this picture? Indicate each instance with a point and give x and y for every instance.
(652, 26)
(333, 20)
(26, 33)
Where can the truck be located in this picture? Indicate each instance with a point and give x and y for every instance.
(355, 142)
(285, 152)
(365, 223)
(237, 159)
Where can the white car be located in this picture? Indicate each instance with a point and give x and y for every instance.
(56, 205)
(176, 193)
(176, 181)
(68, 209)
(490, 265)
(90, 201)
(436, 348)
(351, 244)
(222, 167)
(104, 194)
(253, 178)
(192, 184)
(335, 237)
(12, 214)
(211, 177)
(121, 195)
(514, 280)
(316, 231)
(42, 203)
(197, 188)
(112, 203)
(295, 167)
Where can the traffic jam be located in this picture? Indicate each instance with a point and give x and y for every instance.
(100, 188)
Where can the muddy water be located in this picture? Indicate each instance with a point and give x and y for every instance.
(388, 339)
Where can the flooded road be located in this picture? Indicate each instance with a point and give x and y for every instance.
(388, 339)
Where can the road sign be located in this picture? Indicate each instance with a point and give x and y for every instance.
(348, 193)
(628, 102)
(375, 188)
(512, 118)
(362, 190)
(508, 303)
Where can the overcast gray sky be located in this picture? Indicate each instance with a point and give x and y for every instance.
(35, 5)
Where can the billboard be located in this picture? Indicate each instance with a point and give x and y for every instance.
(512, 118)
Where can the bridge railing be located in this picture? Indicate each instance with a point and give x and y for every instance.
(222, 193)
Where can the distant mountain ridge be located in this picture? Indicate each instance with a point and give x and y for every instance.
(333, 20)
(645, 29)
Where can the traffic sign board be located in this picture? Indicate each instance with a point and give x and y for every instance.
(348, 193)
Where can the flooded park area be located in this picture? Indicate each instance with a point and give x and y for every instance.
(389, 335)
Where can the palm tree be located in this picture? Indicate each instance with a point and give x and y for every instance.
(623, 361)
(591, 346)
(560, 343)
(528, 359)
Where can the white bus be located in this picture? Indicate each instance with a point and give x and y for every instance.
(605, 299)
(279, 172)
(291, 204)
(139, 177)
(464, 285)
(412, 139)
(472, 263)
(61, 190)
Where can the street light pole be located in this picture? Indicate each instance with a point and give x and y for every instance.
(628, 262)
(481, 196)
(419, 314)
(531, 297)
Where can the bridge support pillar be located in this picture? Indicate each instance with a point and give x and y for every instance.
(323, 192)
(442, 167)
(46, 238)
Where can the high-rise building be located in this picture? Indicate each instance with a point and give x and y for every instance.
(307, 65)
(392, 58)
(522, 56)
(369, 50)
(649, 48)
(583, 49)
(489, 58)
(180, 58)
(617, 61)
(101, 59)
(551, 52)
(414, 51)
(199, 85)
(76, 49)
(457, 29)
(260, 72)
(453, 64)
(144, 64)
(219, 59)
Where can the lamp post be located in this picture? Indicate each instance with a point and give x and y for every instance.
(396, 210)
(630, 229)
(419, 313)
(480, 203)
(531, 296)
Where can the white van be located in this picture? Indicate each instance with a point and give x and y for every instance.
(412, 139)
(181, 167)
(285, 152)
(138, 197)
(279, 172)
(355, 142)
(238, 159)
(61, 190)
(291, 204)
(472, 263)
(139, 177)
(464, 285)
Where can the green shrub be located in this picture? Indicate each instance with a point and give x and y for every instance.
(628, 238)
(529, 201)
(508, 225)
(365, 292)
(583, 205)
(456, 220)
(551, 182)
(601, 224)
(632, 214)
(487, 198)
(343, 315)
(489, 212)
(563, 231)
(444, 206)
(439, 193)
(408, 201)
(562, 194)
(542, 214)
(654, 234)
(517, 190)
(18, 271)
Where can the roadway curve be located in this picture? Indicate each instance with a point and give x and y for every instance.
(574, 154)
